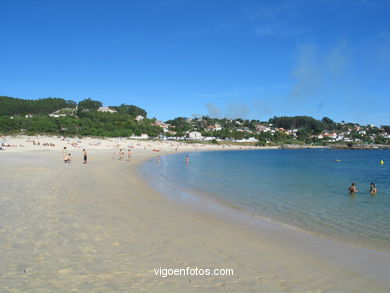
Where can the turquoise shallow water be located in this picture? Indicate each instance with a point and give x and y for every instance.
(305, 189)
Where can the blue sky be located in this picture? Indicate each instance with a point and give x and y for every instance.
(253, 59)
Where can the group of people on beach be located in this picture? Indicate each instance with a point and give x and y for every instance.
(353, 188)
(121, 154)
(68, 156)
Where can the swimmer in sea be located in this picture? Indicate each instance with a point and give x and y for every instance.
(353, 188)
(373, 189)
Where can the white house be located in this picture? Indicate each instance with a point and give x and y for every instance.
(106, 109)
(250, 139)
(55, 115)
(209, 138)
(194, 135)
(142, 136)
(139, 118)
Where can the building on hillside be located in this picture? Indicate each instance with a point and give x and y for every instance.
(106, 109)
(209, 138)
(56, 115)
(250, 139)
(263, 128)
(163, 125)
(139, 118)
(196, 135)
(332, 135)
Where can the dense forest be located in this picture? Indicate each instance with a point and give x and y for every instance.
(20, 107)
(306, 122)
(32, 116)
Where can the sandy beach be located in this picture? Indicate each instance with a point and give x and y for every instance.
(100, 227)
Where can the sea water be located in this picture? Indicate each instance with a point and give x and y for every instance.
(305, 189)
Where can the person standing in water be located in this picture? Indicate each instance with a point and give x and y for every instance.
(353, 188)
(85, 156)
(187, 159)
(373, 189)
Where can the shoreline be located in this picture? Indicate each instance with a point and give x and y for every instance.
(227, 207)
(188, 143)
(85, 228)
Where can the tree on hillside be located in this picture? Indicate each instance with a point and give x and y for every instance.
(181, 125)
(327, 120)
(89, 105)
(386, 128)
(298, 122)
(14, 107)
(130, 110)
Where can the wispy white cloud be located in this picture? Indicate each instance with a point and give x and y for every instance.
(258, 108)
(338, 58)
(306, 74)
(317, 70)
(283, 18)
(213, 111)
(232, 111)
(237, 110)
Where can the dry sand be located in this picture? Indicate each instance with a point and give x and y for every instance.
(101, 228)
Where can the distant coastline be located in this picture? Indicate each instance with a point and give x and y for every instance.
(89, 118)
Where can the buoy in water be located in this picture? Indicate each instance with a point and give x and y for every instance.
(382, 162)
(338, 160)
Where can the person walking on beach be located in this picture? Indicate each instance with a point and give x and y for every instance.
(67, 158)
(128, 154)
(353, 188)
(64, 152)
(113, 154)
(85, 156)
(121, 154)
(373, 189)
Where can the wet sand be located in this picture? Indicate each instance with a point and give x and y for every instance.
(100, 228)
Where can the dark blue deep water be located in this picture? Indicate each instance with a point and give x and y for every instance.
(305, 189)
